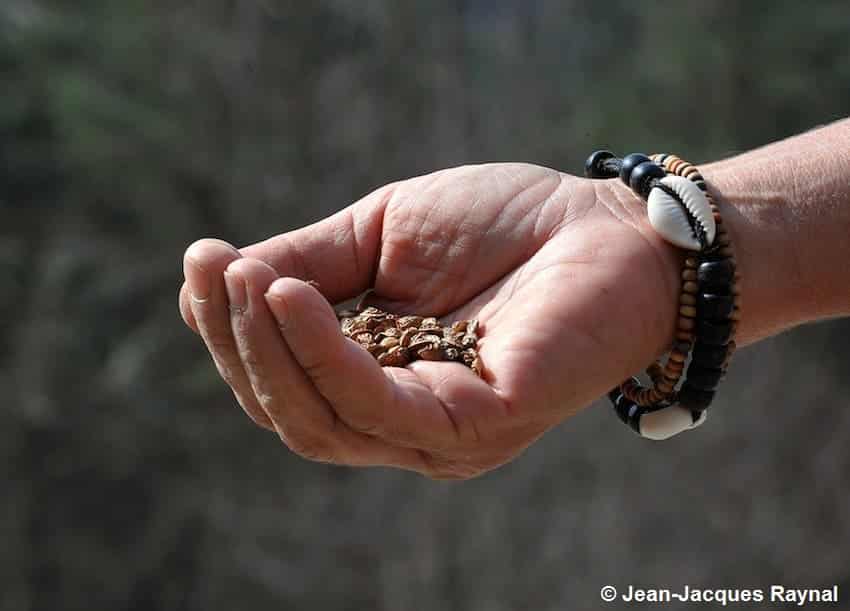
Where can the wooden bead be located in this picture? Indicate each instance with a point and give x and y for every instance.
(673, 366)
(707, 355)
(689, 311)
(716, 276)
(686, 299)
(685, 324)
(654, 371)
(665, 388)
(690, 287)
(693, 398)
(714, 307)
(691, 262)
(704, 378)
(714, 333)
(678, 357)
(689, 274)
(684, 336)
(655, 395)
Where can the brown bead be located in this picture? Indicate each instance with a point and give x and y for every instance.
(691, 262)
(654, 371)
(674, 366)
(689, 274)
(685, 324)
(690, 287)
(678, 357)
(665, 388)
(687, 299)
(684, 336)
(689, 311)
(726, 251)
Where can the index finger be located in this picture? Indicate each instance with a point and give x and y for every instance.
(339, 253)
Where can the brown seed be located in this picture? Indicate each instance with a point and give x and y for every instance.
(459, 326)
(405, 322)
(389, 342)
(383, 325)
(375, 350)
(407, 335)
(364, 338)
(394, 357)
(430, 353)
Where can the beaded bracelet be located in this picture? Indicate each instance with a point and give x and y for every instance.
(683, 212)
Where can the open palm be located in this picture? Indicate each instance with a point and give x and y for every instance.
(572, 288)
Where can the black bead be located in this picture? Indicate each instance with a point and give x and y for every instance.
(593, 166)
(694, 398)
(716, 276)
(714, 307)
(635, 412)
(703, 378)
(708, 355)
(711, 332)
(630, 162)
(642, 174)
(623, 407)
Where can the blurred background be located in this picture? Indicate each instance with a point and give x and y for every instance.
(131, 480)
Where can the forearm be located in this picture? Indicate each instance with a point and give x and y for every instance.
(787, 207)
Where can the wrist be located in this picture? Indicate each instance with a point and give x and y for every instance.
(787, 208)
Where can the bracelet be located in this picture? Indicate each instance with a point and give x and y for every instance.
(683, 212)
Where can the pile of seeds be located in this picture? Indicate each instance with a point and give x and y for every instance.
(395, 340)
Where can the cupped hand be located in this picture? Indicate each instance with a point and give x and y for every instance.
(573, 290)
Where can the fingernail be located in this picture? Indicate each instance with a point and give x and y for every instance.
(279, 307)
(197, 279)
(237, 295)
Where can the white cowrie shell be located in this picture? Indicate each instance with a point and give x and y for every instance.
(664, 423)
(668, 219)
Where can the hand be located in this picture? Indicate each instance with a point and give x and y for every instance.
(573, 290)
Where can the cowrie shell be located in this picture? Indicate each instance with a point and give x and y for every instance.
(669, 219)
(664, 423)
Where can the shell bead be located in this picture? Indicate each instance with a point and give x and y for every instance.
(666, 422)
(669, 219)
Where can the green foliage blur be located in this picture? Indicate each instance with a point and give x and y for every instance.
(130, 478)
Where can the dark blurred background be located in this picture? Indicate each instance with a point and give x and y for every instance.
(131, 480)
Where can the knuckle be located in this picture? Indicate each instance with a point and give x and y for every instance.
(310, 446)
